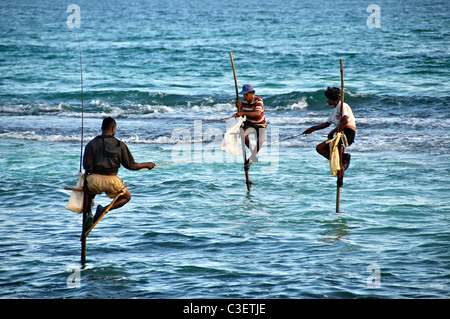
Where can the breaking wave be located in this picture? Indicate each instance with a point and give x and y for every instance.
(156, 104)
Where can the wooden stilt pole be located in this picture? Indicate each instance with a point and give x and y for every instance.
(87, 231)
(339, 178)
(83, 249)
(85, 212)
(247, 177)
(85, 192)
(341, 147)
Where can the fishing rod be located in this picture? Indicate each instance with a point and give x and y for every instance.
(341, 147)
(82, 103)
(79, 189)
(225, 118)
(235, 83)
(195, 125)
(84, 186)
(238, 105)
(288, 138)
(163, 164)
(175, 162)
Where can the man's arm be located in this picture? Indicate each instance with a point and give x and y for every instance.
(138, 166)
(251, 114)
(317, 127)
(88, 160)
(342, 123)
(128, 160)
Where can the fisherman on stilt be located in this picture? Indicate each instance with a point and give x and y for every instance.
(252, 107)
(102, 158)
(346, 124)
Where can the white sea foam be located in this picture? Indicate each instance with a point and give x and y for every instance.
(32, 136)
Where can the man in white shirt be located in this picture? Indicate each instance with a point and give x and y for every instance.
(346, 123)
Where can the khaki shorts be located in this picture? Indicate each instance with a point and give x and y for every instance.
(111, 185)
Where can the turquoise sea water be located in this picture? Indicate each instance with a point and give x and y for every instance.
(191, 229)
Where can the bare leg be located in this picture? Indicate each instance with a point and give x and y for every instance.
(324, 150)
(121, 201)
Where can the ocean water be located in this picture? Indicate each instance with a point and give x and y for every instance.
(191, 230)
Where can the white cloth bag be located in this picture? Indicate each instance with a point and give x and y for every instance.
(75, 203)
(230, 139)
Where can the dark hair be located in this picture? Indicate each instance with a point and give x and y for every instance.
(108, 123)
(333, 93)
